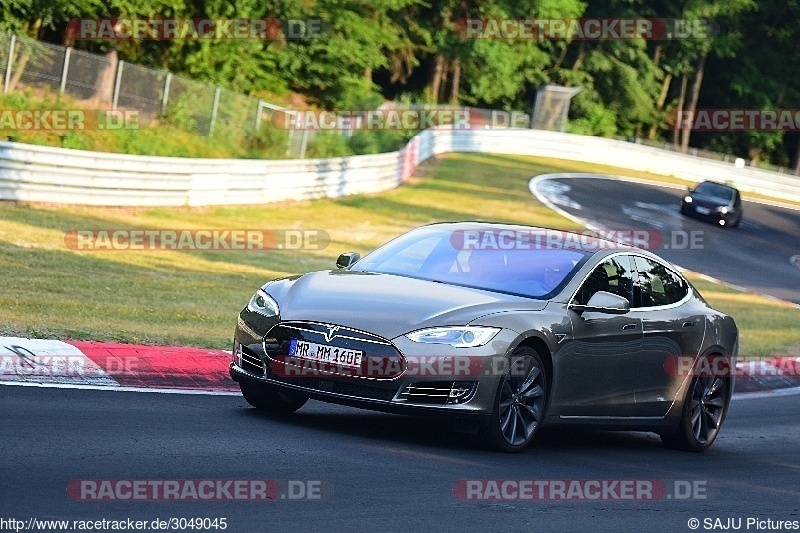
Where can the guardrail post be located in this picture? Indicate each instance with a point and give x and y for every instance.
(166, 94)
(65, 70)
(214, 112)
(10, 62)
(116, 85)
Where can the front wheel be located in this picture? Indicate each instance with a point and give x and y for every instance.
(519, 403)
(270, 400)
(703, 412)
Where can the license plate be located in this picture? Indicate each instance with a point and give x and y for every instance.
(324, 353)
(703, 210)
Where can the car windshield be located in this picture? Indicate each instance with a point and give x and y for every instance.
(512, 261)
(715, 190)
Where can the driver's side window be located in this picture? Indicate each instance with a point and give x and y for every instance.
(613, 275)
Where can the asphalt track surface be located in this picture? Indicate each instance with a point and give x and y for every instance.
(379, 472)
(756, 255)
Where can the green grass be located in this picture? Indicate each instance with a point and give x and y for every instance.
(766, 327)
(192, 298)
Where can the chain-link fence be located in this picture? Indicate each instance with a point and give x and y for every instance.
(100, 81)
(103, 81)
(141, 88)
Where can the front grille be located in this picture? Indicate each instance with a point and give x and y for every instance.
(381, 361)
(438, 392)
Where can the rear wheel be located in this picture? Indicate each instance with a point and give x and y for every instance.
(519, 403)
(273, 401)
(703, 412)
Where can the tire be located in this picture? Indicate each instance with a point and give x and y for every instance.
(519, 404)
(703, 413)
(270, 400)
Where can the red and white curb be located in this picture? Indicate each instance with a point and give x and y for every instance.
(187, 370)
(123, 367)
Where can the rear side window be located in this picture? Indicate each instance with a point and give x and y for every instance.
(614, 275)
(656, 284)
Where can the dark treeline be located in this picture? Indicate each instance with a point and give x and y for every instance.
(417, 51)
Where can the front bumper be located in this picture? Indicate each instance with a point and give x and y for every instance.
(713, 214)
(357, 398)
(435, 379)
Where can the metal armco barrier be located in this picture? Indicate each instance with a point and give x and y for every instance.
(57, 175)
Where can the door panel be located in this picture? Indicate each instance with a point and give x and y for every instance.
(595, 370)
(669, 331)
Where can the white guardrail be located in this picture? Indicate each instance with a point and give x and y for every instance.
(57, 175)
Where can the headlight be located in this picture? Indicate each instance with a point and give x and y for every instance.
(457, 336)
(724, 210)
(263, 304)
(687, 199)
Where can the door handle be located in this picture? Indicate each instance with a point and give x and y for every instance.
(629, 326)
(689, 324)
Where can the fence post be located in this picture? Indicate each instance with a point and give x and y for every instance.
(214, 112)
(258, 115)
(10, 62)
(65, 70)
(116, 85)
(166, 94)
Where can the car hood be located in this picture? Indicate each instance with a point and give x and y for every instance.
(385, 304)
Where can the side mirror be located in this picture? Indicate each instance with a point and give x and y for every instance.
(690, 189)
(604, 302)
(347, 260)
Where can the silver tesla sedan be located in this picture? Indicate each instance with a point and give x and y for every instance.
(500, 328)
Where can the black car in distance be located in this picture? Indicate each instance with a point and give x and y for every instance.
(714, 201)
